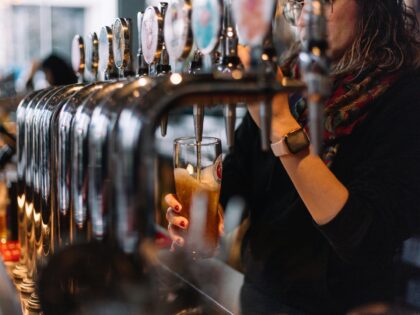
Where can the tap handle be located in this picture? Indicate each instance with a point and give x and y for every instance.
(143, 69)
(315, 69)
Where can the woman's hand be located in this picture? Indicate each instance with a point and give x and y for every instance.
(179, 224)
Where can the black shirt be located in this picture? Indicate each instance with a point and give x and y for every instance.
(290, 260)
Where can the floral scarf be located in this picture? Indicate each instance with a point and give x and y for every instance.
(351, 100)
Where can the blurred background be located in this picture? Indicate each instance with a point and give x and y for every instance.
(34, 29)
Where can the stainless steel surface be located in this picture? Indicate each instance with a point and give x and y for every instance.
(62, 155)
(79, 159)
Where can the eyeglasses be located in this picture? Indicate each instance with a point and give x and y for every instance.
(292, 9)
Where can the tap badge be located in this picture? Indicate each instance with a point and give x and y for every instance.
(150, 34)
(206, 24)
(253, 18)
(119, 44)
(217, 169)
(177, 29)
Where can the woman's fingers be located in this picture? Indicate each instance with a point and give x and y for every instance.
(175, 219)
(174, 233)
(171, 200)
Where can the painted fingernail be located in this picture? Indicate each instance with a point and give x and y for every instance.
(182, 224)
(176, 208)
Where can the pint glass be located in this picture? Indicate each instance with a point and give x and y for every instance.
(198, 170)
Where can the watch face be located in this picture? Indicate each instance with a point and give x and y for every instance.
(78, 54)
(297, 141)
(150, 42)
(177, 29)
(253, 19)
(206, 24)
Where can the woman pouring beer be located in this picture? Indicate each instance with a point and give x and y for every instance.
(324, 229)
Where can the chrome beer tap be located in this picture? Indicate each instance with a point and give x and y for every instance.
(143, 68)
(106, 67)
(152, 44)
(21, 269)
(92, 57)
(121, 46)
(78, 57)
(210, 14)
(79, 159)
(253, 34)
(230, 62)
(61, 148)
(314, 65)
(196, 66)
(163, 68)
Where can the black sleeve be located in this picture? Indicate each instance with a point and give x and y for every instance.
(237, 164)
(383, 207)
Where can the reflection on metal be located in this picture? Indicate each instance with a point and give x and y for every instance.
(121, 46)
(107, 69)
(78, 56)
(92, 56)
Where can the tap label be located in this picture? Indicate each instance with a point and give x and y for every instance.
(150, 34)
(206, 24)
(178, 30)
(253, 19)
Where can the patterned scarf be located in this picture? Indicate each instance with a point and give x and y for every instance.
(350, 102)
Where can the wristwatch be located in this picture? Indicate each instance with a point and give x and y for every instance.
(293, 142)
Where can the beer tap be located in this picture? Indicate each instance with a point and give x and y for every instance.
(20, 270)
(230, 62)
(253, 34)
(79, 159)
(121, 45)
(143, 69)
(315, 68)
(92, 57)
(34, 235)
(163, 68)
(211, 14)
(198, 109)
(269, 62)
(78, 57)
(154, 50)
(106, 67)
(61, 149)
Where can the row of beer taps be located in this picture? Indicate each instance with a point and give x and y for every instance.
(86, 152)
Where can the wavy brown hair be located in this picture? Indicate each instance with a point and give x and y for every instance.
(387, 38)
